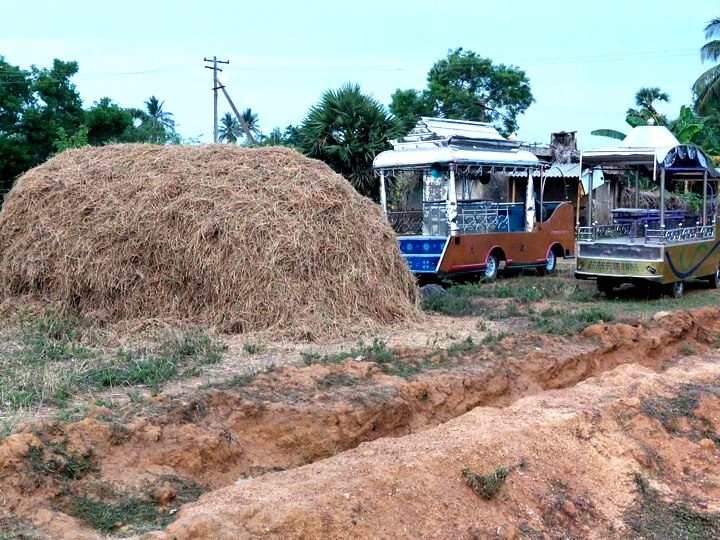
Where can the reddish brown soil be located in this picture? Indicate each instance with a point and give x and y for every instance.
(388, 451)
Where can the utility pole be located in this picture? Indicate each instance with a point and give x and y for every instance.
(243, 124)
(217, 86)
(215, 69)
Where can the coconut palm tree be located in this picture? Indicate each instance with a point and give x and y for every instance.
(346, 129)
(707, 86)
(230, 130)
(156, 125)
(155, 111)
(644, 100)
(251, 121)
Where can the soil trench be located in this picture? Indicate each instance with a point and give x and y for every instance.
(297, 415)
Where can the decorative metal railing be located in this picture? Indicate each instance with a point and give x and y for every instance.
(482, 220)
(650, 235)
(613, 231)
(680, 234)
(408, 222)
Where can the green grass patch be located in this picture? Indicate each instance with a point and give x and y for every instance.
(570, 321)
(54, 459)
(670, 411)
(52, 359)
(654, 518)
(336, 379)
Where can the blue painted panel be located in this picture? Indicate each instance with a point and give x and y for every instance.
(422, 246)
(423, 264)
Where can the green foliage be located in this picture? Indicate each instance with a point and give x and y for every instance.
(41, 113)
(253, 347)
(346, 130)
(485, 485)
(50, 361)
(229, 130)
(108, 123)
(570, 321)
(466, 86)
(77, 140)
(707, 85)
(289, 137)
(105, 516)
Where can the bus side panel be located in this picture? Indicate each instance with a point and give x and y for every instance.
(561, 228)
(468, 252)
(690, 261)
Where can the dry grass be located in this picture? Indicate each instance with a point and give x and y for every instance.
(241, 239)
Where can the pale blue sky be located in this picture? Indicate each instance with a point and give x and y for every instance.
(585, 59)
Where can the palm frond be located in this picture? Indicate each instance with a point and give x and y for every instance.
(713, 28)
(707, 90)
(611, 133)
(710, 51)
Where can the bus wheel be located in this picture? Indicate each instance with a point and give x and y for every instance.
(549, 266)
(491, 268)
(714, 280)
(676, 289)
(605, 286)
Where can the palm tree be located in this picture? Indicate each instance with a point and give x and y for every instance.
(346, 129)
(251, 121)
(707, 86)
(644, 99)
(230, 130)
(156, 125)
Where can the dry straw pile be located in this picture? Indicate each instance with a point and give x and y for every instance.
(243, 239)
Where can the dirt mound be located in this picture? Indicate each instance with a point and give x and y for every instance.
(244, 239)
(585, 462)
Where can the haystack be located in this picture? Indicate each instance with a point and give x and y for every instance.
(242, 239)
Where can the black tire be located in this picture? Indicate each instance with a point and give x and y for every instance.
(714, 280)
(549, 266)
(605, 286)
(491, 269)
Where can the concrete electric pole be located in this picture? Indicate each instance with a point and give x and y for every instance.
(215, 69)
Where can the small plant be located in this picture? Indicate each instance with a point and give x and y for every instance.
(106, 516)
(309, 357)
(462, 346)
(253, 347)
(337, 379)
(641, 482)
(485, 485)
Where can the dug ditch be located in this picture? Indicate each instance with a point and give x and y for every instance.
(284, 418)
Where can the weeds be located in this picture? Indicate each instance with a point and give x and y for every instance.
(485, 485)
(669, 411)
(569, 321)
(54, 459)
(654, 518)
(106, 516)
(55, 362)
(253, 347)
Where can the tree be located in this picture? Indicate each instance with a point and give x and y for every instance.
(230, 130)
(107, 123)
(288, 137)
(644, 100)
(707, 86)
(15, 97)
(465, 86)
(156, 125)
(346, 129)
(37, 108)
(251, 121)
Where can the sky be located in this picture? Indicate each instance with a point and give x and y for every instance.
(584, 59)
